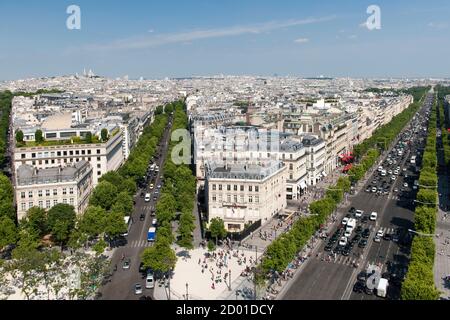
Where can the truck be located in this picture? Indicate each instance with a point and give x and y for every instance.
(382, 287)
(151, 234)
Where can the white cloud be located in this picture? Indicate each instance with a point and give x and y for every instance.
(438, 25)
(182, 37)
(301, 40)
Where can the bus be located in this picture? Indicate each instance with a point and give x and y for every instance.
(128, 221)
(413, 160)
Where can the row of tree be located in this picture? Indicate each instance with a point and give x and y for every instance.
(419, 283)
(386, 134)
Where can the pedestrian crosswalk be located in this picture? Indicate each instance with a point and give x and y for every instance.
(139, 244)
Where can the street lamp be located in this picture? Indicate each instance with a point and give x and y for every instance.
(229, 279)
(425, 203)
(422, 234)
(187, 291)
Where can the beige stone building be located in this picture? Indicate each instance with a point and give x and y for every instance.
(46, 188)
(244, 194)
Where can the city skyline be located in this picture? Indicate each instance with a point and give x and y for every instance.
(175, 39)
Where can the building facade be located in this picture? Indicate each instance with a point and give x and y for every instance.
(45, 188)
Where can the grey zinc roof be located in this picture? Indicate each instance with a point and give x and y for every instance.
(27, 175)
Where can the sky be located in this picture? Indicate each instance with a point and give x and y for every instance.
(183, 38)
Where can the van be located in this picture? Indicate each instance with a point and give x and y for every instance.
(149, 281)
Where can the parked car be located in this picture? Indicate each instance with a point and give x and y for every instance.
(373, 216)
(137, 289)
(126, 264)
(359, 213)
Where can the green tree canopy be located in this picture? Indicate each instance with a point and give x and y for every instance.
(161, 257)
(104, 195)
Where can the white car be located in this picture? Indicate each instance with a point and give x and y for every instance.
(377, 239)
(151, 186)
(390, 171)
(405, 185)
(393, 178)
(137, 289)
(359, 213)
(374, 189)
(344, 221)
(343, 241)
(380, 233)
(396, 172)
(373, 216)
(147, 197)
(380, 169)
(149, 281)
(348, 233)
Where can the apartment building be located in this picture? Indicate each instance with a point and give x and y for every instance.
(293, 155)
(46, 188)
(241, 195)
(103, 157)
(315, 159)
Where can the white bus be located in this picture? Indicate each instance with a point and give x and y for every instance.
(128, 222)
(413, 160)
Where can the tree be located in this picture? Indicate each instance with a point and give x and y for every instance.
(217, 228)
(93, 221)
(61, 221)
(165, 209)
(164, 234)
(115, 224)
(104, 134)
(36, 220)
(104, 195)
(123, 203)
(6, 198)
(8, 232)
(19, 136)
(161, 257)
(39, 136)
(159, 110)
(88, 137)
(211, 246)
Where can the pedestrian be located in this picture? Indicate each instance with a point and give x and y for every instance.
(199, 261)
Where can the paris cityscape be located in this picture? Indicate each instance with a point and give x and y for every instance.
(226, 151)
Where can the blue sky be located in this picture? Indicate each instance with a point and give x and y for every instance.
(157, 39)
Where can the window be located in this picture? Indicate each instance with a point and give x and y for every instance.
(98, 159)
(250, 199)
(33, 155)
(23, 155)
(22, 195)
(83, 152)
(40, 193)
(47, 204)
(228, 187)
(290, 156)
(71, 190)
(77, 152)
(220, 187)
(229, 198)
(241, 199)
(64, 191)
(30, 194)
(235, 187)
(71, 201)
(58, 153)
(55, 192)
(30, 205)
(98, 151)
(71, 152)
(55, 202)
(99, 166)
(65, 153)
(46, 161)
(65, 201)
(23, 206)
(256, 199)
(242, 187)
(250, 188)
(89, 151)
(41, 204)
(214, 187)
(291, 166)
(214, 198)
(256, 188)
(99, 173)
(235, 198)
(47, 193)
(291, 177)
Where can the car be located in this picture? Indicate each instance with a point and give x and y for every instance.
(356, 239)
(345, 221)
(142, 194)
(137, 289)
(390, 172)
(396, 190)
(142, 217)
(352, 210)
(343, 241)
(377, 239)
(347, 233)
(149, 281)
(141, 268)
(126, 264)
(358, 230)
(155, 198)
(362, 276)
(154, 222)
(346, 251)
(151, 186)
(362, 243)
(373, 216)
(159, 186)
(328, 247)
(147, 197)
(374, 190)
(359, 287)
(374, 182)
(405, 185)
(380, 168)
(369, 291)
(404, 170)
(364, 219)
(393, 178)
(396, 172)
(359, 213)
(380, 233)
(366, 233)
(387, 236)
(368, 189)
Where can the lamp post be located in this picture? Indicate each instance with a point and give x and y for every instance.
(425, 203)
(187, 291)
(423, 234)
(229, 280)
